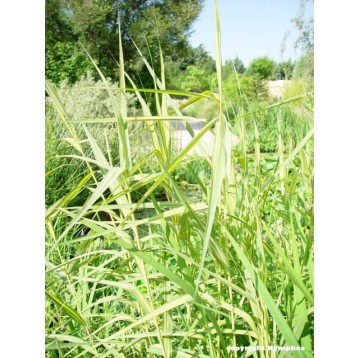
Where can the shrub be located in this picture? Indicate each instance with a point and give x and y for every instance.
(86, 99)
(245, 89)
(65, 61)
(262, 67)
(283, 70)
(304, 67)
(197, 79)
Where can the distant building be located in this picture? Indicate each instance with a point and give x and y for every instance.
(181, 138)
(276, 88)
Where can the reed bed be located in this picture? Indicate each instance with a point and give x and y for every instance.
(137, 268)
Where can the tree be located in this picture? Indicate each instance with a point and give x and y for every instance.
(58, 28)
(303, 71)
(180, 74)
(230, 66)
(93, 24)
(200, 57)
(238, 89)
(166, 22)
(65, 61)
(254, 88)
(197, 79)
(283, 70)
(71, 27)
(304, 67)
(262, 68)
(305, 28)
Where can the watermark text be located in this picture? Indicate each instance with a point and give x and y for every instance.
(265, 348)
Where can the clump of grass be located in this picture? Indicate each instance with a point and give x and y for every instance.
(184, 276)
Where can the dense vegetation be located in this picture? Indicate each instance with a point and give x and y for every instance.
(154, 252)
(75, 26)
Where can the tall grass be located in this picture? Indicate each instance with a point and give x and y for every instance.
(191, 277)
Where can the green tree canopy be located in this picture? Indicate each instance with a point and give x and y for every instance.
(230, 66)
(181, 74)
(284, 70)
(261, 67)
(245, 88)
(93, 24)
(197, 79)
(200, 57)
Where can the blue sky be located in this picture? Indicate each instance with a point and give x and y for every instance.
(250, 28)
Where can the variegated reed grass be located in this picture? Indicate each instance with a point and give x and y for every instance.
(193, 277)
